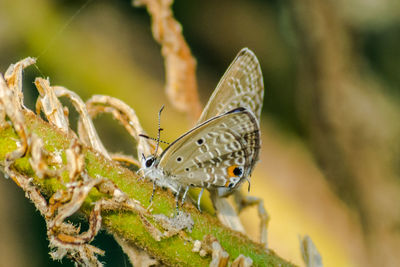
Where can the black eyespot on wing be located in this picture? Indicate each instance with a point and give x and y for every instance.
(237, 171)
(200, 141)
(187, 169)
(179, 159)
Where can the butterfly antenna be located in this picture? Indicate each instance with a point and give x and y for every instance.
(159, 130)
(155, 139)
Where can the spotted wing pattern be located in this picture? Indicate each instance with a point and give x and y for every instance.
(241, 86)
(217, 153)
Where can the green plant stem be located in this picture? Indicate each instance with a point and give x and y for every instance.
(175, 251)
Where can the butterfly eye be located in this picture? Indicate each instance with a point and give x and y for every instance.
(149, 162)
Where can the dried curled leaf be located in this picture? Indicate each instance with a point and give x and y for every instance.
(180, 66)
(52, 108)
(124, 114)
(11, 107)
(309, 252)
(13, 77)
(242, 261)
(88, 133)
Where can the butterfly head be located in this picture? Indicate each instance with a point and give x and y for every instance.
(148, 162)
(149, 167)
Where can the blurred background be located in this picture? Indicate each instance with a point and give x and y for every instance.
(330, 159)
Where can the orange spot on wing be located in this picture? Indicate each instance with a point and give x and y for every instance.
(230, 170)
(231, 173)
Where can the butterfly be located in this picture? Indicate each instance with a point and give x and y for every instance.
(221, 151)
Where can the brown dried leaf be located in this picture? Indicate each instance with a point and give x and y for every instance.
(51, 106)
(38, 158)
(244, 201)
(13, 77)
(242, 261)
(309, 252)
(11, 106)
(89, 133)
(180, 66)
(124, 114)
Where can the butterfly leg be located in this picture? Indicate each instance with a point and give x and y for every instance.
(199, 199)
(177, 198)
(154, 189)
(142, 176)
(184, 195)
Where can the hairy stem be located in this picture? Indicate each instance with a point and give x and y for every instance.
(175, 250)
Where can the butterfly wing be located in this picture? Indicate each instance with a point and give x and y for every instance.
(217, 153)
(241, 86)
